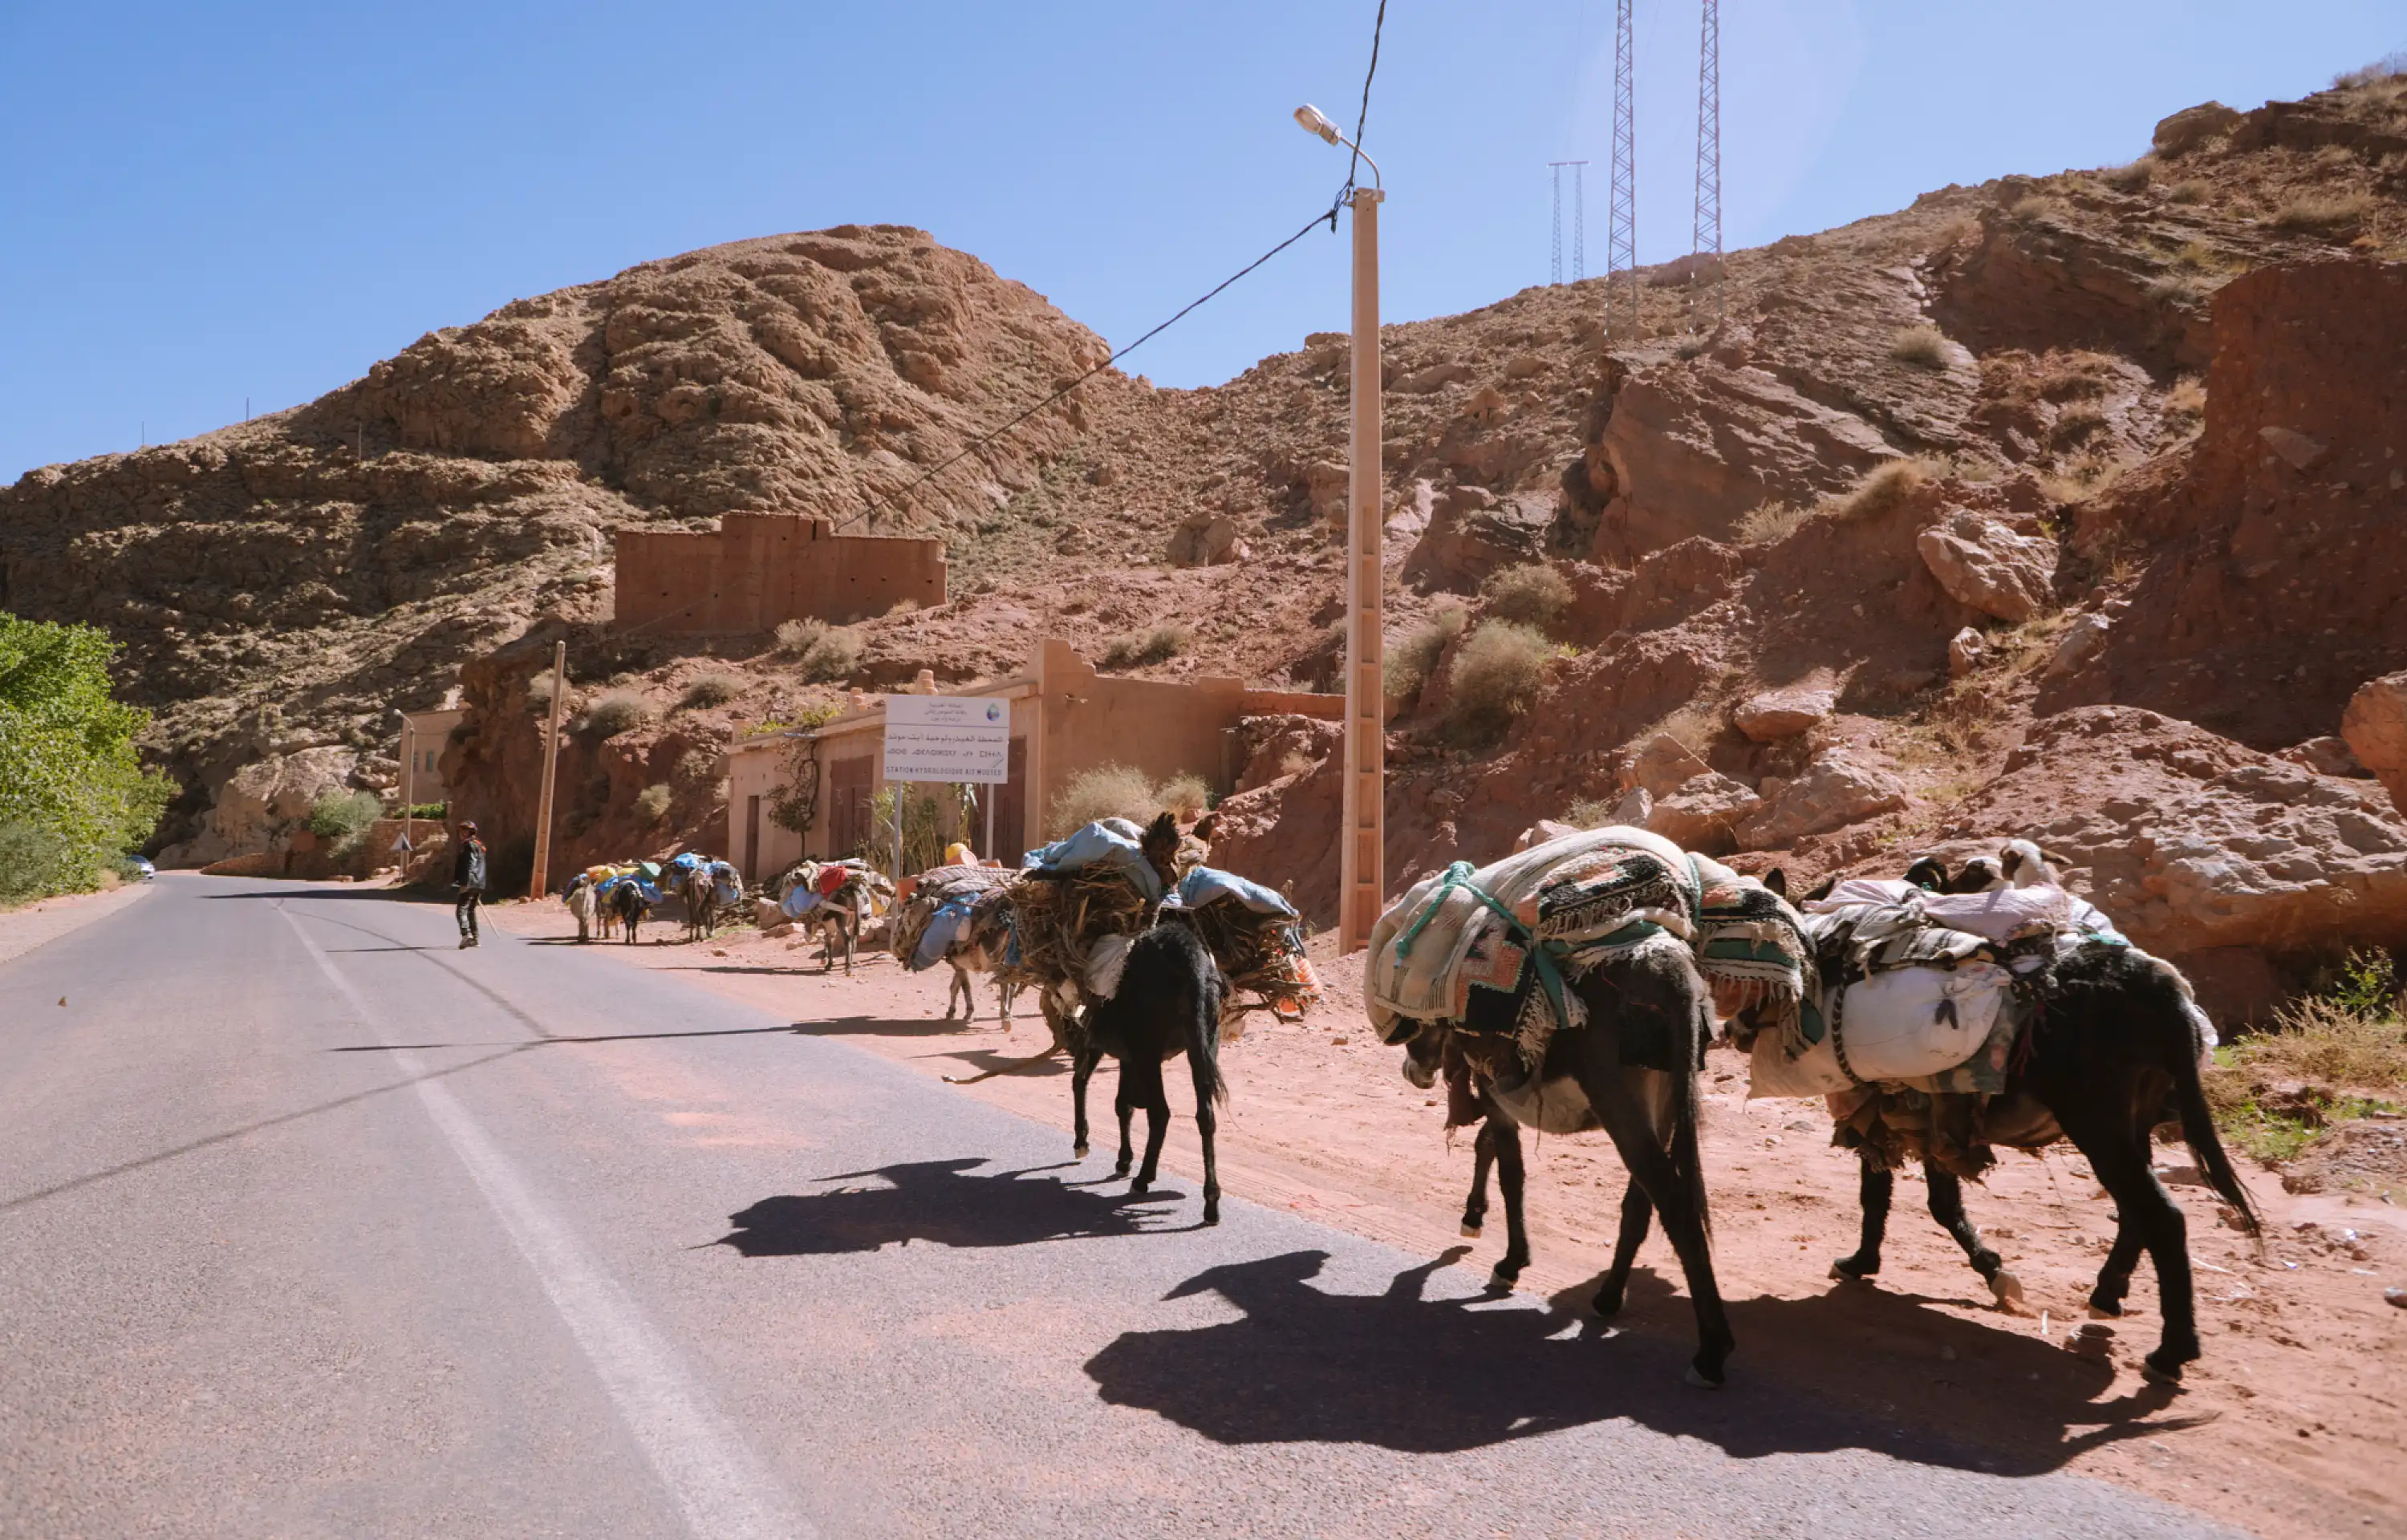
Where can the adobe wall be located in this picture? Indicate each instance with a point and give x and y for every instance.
(756, 570)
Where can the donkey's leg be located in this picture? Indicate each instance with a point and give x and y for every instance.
(1875, 1188)
(1082, 1069)
(1637, 1210)
(2118, 1148)
(1948, 1207)
(1483, 1157)
(1511, 1177)
(2114, 1278)
(1641, 1109)
(1157, 1114)
(1207, 1123)
(1124, 1105)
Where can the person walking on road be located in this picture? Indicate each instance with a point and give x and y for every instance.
(468, 877)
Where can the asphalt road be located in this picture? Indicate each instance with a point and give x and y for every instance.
(311, 1224)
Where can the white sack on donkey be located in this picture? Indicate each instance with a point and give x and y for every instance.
(1900, 1025)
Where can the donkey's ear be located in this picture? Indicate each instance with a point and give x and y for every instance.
(1822, 890)
(1777, 881)
(1206, 827)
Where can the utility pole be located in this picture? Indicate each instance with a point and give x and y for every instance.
(540, 879)
(1707, 233)
(408, 782)
(1579, 221)
(1361, 877)
(1621, 222)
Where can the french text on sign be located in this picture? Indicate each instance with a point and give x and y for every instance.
(947, 737)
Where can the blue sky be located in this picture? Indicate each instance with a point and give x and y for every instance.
(201, 203)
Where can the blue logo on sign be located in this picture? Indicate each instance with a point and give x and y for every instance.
(994, 713)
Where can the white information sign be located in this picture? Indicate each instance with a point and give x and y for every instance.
(948, 737)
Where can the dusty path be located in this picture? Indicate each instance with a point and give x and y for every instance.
(2293, 1424)
(45, 920)
(312, 1224)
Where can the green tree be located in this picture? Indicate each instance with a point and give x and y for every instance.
(74, 797)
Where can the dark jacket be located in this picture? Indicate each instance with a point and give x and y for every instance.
(468, 866)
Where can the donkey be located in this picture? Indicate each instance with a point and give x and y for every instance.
(585, 906)
(1168, 1003)
(1650, 1006)
(703, 909)
(628, 905)
(976, 957)
(2111, 1054)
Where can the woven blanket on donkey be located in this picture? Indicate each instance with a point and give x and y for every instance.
(931, 891)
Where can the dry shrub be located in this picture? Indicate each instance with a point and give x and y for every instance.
(1536, 595)
(2076, 425)
(539, 693)
(1495, 677)
(714, 689)
(2324, 215)
(2186, 400)
(2389, 66)
(1590, 812)
(2130, 179)
(652, 802)
(1409, 662)
(1104, 791)
(2191, 191)
(822, 654)
(2347, 1039)
(621, 710)
(2199, 256)
(1296, 762)
(1138, 649)
(2177, 289)
(1186, 796)
(2038, 206)
(1769, 523)
(1923, 346)
(903, 607)
(1882, 490)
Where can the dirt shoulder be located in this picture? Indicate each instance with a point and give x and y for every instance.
(2291, 1425)
(29, 925)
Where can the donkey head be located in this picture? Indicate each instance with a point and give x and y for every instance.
(1161, 846)
(1423, 1054)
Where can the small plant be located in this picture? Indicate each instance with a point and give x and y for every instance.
(1139, 649)
(2190, 190)
(1296, 762)
(29, 855)
(1186, 796)
(794, 637)
(1769, 523)
(1590, 812)
(621, 710)
(2177, 289)
(1537, 595)
(2134, 178)
(2324, 215)
(425, 810)
(539, 693)
(822, 654)
(1883, 490)
(2390, 66)
(1409, 662)
(2076, 425)
(339, 814)
(1923, 346)
(1104, 791)
(713, 689)
(1495, 677)
(2036, 208)
(652, 802)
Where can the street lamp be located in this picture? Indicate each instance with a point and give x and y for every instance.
(1361, 862)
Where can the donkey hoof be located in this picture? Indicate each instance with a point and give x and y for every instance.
(2160, 1373)
(1077, 1152)
(1504, 1276)
(1608, 1302)
(2106, 1309)
(1702, 1379)
(1138, 1188)
(2007, 1288)
(1853, 1269)
(1212, 1213)
(1470, 1230)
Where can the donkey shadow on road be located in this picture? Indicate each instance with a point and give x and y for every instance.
(946, 1202)
(1402, 1371)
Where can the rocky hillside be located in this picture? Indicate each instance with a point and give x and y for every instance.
(1841, 557)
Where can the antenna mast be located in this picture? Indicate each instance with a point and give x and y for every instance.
(1621, 224)
(1705, 244)
(1579, 222)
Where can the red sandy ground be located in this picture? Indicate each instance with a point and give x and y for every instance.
(2292, 1424)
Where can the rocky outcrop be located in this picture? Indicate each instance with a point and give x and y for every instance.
(1983, 563)
(1772, 715)
(1832, 791)
(2191, 127)
(1473, 533)
(264, 805)
(2375, 727)
(1705, 813)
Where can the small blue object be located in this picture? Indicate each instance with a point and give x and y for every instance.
(1099, 844)
(945, 927)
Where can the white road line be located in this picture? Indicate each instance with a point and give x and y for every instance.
(702, 1461)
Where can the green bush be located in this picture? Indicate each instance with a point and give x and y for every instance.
(1411, 658)
(428, 809)
(1536, 595)
(30, 858)
(70, 775)
(340, 813)
(621, 710)
(1495, 677)
(714, 689)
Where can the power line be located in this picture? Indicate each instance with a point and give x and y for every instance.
(984, 439)
(1378, 25)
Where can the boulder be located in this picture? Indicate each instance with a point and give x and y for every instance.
(1835, 790)
(2375, 725)
(1636, 806)
(1206, 540)
(1703, 813)
(1786, 713)
(1542, 831)
(1985, 564)
(2083, 642)
(2190, 127)
(1965, 651)
(2329, 756)
(1661, 766)
(1473, 533)
(264, 804)
(1325, 482)
(1437, 377)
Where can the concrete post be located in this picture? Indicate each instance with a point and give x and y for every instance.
(408, 781)
(1361, 878)
(538, 882)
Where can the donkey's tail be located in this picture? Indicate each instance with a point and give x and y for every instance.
(1204, 1037)
(1688, 1110)
(2198, 1130)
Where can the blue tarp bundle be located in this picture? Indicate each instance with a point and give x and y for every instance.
(1102, 844)
(945, 927)
(799, 902)
(651, 895)
(1204, 885)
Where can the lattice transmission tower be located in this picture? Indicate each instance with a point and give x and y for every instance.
(1621, 222)
(1705, 243)
(1579, 221)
